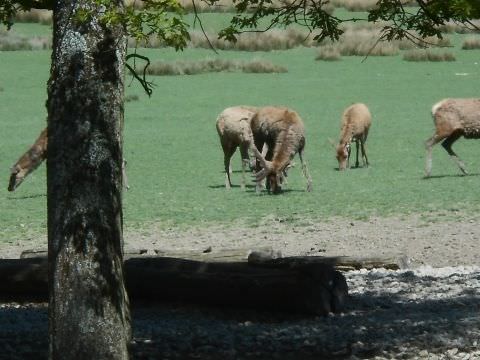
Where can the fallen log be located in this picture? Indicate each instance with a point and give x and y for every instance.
(317, 290)
(342, 263)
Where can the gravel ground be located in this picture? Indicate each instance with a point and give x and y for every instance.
(431, 311)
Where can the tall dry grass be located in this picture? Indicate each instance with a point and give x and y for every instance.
(471, 43)
(364, 5)
(162, 68)
(363, 40)
(10, 41)
(275, 39)
(428, 55)
(453, 27)
(35, 16)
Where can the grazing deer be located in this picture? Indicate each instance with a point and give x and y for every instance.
(233, 127)
(33, 157)
(356, 121)
(29, 161)
(453, 118)
(282, 130)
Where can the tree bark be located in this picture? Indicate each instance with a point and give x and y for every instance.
(88, 305)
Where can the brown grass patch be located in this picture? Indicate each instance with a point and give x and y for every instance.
(471, 43)
(35, 16)
(162, 68)
(10, 41)
(328, 53)
(275, 39)
(428, 55)
(453, 27)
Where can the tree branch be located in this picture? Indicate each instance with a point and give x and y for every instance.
(147, 85)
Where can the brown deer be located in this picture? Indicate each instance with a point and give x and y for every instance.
(356, 121)
(29, 161)
(33, 157)
(453, 118)
(233, 127)
(282, 130)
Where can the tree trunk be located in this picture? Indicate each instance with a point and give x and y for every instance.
(88, 306)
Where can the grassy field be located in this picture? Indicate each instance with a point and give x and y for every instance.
(175, 163)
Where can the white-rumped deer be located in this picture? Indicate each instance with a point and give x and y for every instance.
(282, 130)
(233, 127)
(453, 118)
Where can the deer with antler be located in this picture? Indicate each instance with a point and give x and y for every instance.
(282, 131)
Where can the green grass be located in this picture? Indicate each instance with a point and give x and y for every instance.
(175, 163)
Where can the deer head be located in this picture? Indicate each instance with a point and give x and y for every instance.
(343, 154)
(17, 175)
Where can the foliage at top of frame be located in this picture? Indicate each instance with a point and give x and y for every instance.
(424, 20)
(163, 18)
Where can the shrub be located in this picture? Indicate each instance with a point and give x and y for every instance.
(275, 39)
(427, 55)
(471, 43)
(10, 41)
(453, 27)
(328, 53)
(355, 5)
(161, 68)
(35, 16)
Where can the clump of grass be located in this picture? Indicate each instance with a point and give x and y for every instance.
(328, 53)
(355, 5)
(454, 27)
(276, 39)
(471, 43)
(161, 68)
(10, 41)
(363, 42)
(35, 16)
(428, 55)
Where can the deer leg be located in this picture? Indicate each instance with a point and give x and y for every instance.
(364, 153)
(305, 170)
(357, 164)
(228, 153)
(447, 145)
(259, 145)
(245, 161)
(428, 146)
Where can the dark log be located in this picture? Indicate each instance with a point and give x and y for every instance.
(317, 290)
(23, 279)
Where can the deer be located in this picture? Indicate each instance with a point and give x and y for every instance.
(282, 131)
(355, 124)
(29, 161)
(234, 131)
(453, 118)
(32, 159)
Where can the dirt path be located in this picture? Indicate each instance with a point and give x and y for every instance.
(438, 244)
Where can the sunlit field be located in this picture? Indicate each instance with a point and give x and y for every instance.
(175, 162)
